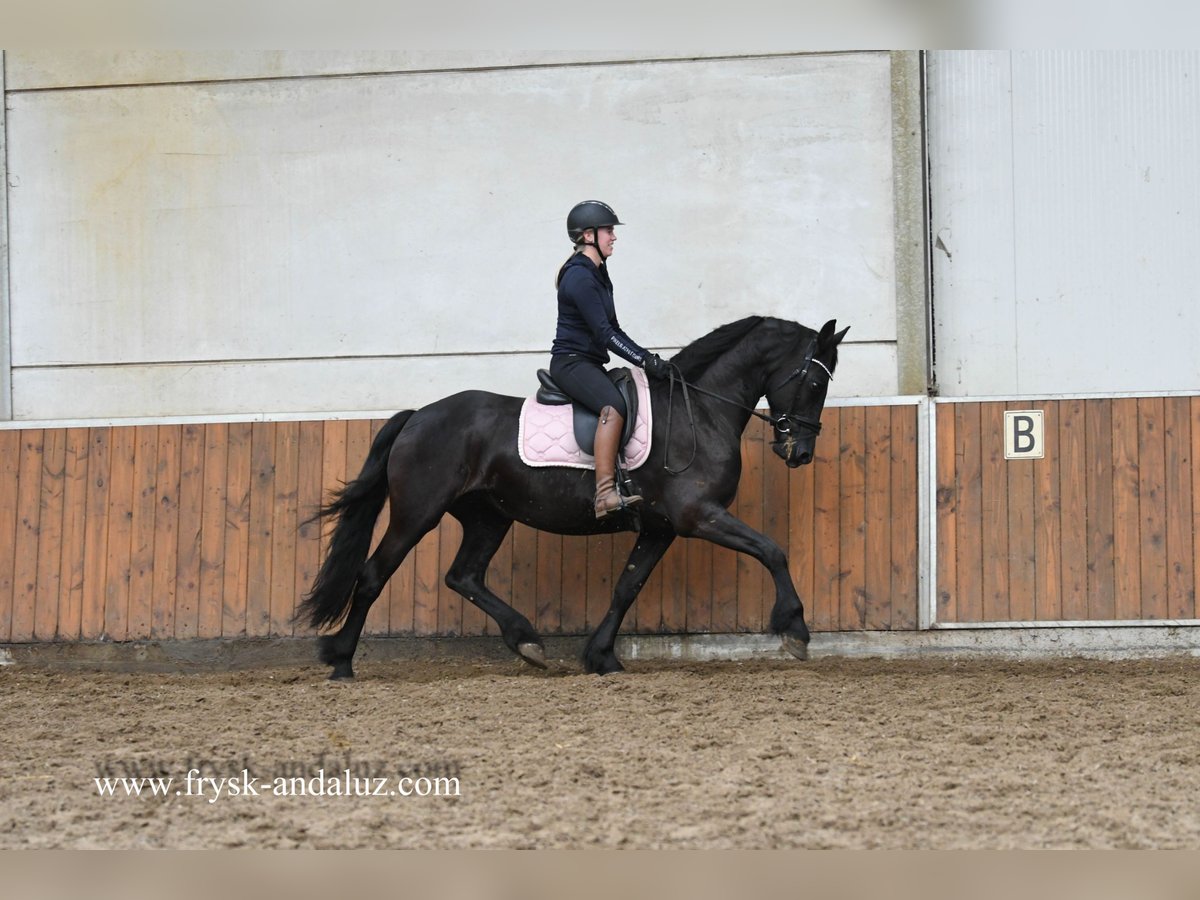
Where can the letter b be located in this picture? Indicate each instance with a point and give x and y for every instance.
(1023, 440)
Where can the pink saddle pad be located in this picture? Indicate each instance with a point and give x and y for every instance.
(546, 434)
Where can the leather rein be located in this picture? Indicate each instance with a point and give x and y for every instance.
(786, 423)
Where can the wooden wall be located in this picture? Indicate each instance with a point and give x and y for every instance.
(184, 531)
(1105, 527)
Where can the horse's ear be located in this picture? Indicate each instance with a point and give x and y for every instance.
(826, 337)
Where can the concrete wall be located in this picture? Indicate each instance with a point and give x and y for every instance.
(1065, 217)
(250, 232)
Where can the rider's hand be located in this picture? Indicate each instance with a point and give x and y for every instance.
(656, 366)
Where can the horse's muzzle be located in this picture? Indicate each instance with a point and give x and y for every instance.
(792, 453)
(803, 458)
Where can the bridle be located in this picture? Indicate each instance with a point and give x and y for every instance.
(786, 424)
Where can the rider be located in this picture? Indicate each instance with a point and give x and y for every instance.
(587, 330)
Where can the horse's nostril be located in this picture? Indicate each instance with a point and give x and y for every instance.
(804, 458)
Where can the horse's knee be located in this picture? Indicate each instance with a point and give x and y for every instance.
(462, 582)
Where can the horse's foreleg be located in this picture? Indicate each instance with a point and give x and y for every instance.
(484, 530)
(337, 649)
(598, 655)
(787, 616)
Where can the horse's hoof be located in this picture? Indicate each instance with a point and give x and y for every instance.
(342, 672)
(604, 665)
(532, 653)
(795, 646)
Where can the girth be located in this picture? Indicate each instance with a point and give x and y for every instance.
(583, 419)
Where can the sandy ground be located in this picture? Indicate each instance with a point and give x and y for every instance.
(829, 753)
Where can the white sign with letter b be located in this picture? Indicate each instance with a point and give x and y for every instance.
(1024, 434)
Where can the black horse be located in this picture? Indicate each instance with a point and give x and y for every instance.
(459, 455)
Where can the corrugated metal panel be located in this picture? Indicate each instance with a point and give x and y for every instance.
(1065, 189)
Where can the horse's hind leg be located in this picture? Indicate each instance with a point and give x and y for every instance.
(484, 530)
(337, 649)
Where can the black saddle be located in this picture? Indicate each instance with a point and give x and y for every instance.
(584, 419)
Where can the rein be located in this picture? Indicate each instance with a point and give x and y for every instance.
(782, 423)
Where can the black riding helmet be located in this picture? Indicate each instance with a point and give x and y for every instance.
(589, 214)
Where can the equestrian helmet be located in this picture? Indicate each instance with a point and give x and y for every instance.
(589, 214)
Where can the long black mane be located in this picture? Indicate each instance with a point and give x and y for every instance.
(697, 356)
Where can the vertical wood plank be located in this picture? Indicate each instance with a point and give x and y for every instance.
(994, 574)
(674, 588)
(524, 572)
(1072, 467)
(827, 506)
(145, 511)
(1177, 481)
(1021, 586)
(308, 501)
(166, 532)
(283, 527)
(852, 614)
(29, 505)
(95, 547)
(969, 464)
(1101, 594)
(75, 488)
(1152, 504)
(575, 588)
(400, 596)
(427, 574)
(10, 464)
(751, 507)
(948, 491)
(599, 577)
(1127, 545)
(210, 599)
(236, 555)
(724, 590)
(450, 602)
(877, 538)
(262, 499)
(191, 519)
(905, 527)
(333, 470)
(549, 583)
(699, 586)
(50, 528)
(120, 533)
(1047, 543)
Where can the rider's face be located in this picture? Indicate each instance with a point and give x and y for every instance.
(605, 239)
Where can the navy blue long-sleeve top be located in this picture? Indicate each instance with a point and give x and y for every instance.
(587, 316)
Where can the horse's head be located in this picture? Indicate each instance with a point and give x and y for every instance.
(796, 394)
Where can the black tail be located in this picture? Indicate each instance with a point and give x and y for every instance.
(356, 507)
